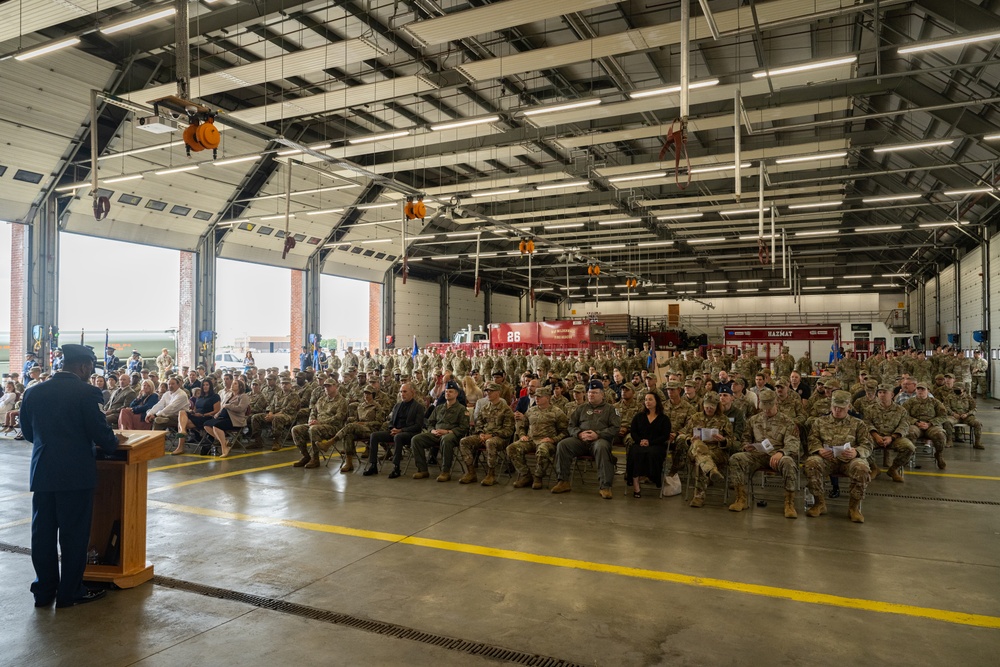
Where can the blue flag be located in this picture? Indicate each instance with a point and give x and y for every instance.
(651, 359)
(416, 350)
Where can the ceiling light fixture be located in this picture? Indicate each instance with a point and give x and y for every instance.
(716, 282)
(684, 284)
(495, 193)
(895, 275)
(73, 186)
(713, 239)
(367, 241)
(121, 179)
(654, 244)
(721, 167)
(949, 42)
(384, 136)
(611, 246)
(140, 20)
(824, 232)
(639, 94)
(573, 225)
(451, 125)
(176, 170)
(914, 146)
(813, 287)
(679, 216)
(561, 107)
(236, 160)
(883, 228)
(991, 137)
(747, 289)
(950, 223)
(848, 286)
(48, 48)
(818, 204)
(811, 158)
(805, 67)
(368, 207)
(863, 276)
(751, 280)
(716, 291)
(649, 175)
(565, 184)
(970, 191)
(326, 210)
(622, 221)
(885, 285)
(884, 198)
(820, 278)
(277, 217)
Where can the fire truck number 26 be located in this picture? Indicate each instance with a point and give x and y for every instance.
(513, 336)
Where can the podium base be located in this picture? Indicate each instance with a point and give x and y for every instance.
(112, 575)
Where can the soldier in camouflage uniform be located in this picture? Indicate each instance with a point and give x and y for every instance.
(679, 411)
(804, 365)
(627, 408)
(848, 369)
(784, 364)
(326, 417)
(789, 403)
(836, 429)
(364, 419)
(962, 410)
(862, 403)
(732, 413)
(889, 425)
(927, 415)
(493, 428)
(543, 426)
(708, 454)
(258, 399)
(579, 398)
(280, 416)
(781, 432)
(979, 368)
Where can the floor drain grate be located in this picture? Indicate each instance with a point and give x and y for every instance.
(942, 500)
(367, 625)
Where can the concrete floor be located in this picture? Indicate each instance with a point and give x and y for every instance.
(627, 582)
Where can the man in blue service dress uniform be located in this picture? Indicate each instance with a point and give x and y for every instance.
(63, 420)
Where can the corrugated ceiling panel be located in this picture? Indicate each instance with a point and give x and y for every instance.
(27, 16)
(419, 140)
(416, 311)
(262, 255)
(495, 16)
(356, 265)
(548, 57)
(118, 230)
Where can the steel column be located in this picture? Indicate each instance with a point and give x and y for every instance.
(311, 298)
(41, 275)
(204, 299)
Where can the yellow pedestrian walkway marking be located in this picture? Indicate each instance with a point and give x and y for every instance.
(202, 460)
(19, 522)
(210, 478)
(950, 474)
(944, 615)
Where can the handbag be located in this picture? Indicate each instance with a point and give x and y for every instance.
(671, 486)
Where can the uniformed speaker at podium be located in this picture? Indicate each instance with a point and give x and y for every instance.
(63, 420)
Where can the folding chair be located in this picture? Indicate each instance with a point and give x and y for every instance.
(767, 473)
(689, 485)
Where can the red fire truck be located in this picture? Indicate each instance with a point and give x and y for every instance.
(552, 336)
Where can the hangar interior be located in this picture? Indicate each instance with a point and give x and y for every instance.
(784, 159)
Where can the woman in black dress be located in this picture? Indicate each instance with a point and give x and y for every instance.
(650, 433)
(206, 407)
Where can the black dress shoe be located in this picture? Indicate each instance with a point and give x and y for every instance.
(432, 461)
(45, 602)
(371, 470)
(834, 493)
(395, 473)
(89, 596)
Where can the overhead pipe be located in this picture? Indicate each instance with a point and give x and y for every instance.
(737, 137)
(685, 56)
(773, 240)
(710, 20)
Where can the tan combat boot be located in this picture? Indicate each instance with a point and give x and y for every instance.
(790, 512)
(469, 477)
(444, 477)
(698, 500)
(313, 462)
(276, 445)
(740, 503)
(940, 461)
(562, 487)
(522, 481)
(490, 478)
(819, 507)
(875, 469)
(895, 474)
(712, 472)
(305, 457)
(348, 465)
(854, 511)
(536, 482)
(978, 445)
(258, 441)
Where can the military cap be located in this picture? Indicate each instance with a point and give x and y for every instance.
(674, 384)
(840, 399)
(885, 387)
(135, 353)
(820, 382)
(29, 353)
(498, 373)
(871, 384)
(767, 397)
(579, 388)
(781, 382)
(369, 390)
(451, 384)
(725, 390)
(595, 384)
(272, 377)
(331, 381)
(740, 381)
(939, 376)
(689, 383)
(405, 376)
(74, 353)
(543, 391)
(711, 398)
(784, 348)
(286, 380)
(949, 375)
(301, 375)
(627, 387)
(832, 383)
(493, 386)
(921, 385)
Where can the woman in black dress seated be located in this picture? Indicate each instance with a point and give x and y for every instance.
(232, 416)
(206, 407)
(650, 432)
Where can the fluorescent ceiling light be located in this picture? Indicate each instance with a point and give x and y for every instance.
(820, 278)
(495, 193)
(132, 23)
(951, 223)
(848, 286)
(664, 292)
(721, 167)
(422, 237)
(742, 211)
(341, 244)
(747, 289)
(716, 282)
(368, 207)
(716, 291)
(176, 170)
(296, 151)
(883, 228)
(379, 137)
(805, 67)
(326, 210)
(688, 292)
(366, 241)
(612, 246)
(73, 186)
(144, 149)
(277, 217)
(885, 285)
(679, 216)
(638, 177)
(970, 191)
(445, 256)
(48, 48)
(561, 107)
(568, 225)
(811, 158)
(825, 232)
(455, 235)
(876, 200)
(914, 146)
(122, 179)
(813, 287)
(451, 125)
(236, 160)
(543, 289)
(991, 137)
(864, 276)
(895, 275)
(714, 239)
(818, 204)
(654, 244)
(707, 83)
(756, 237)
(751, 280)
(949, 42)
(565, 184)
(684, 284)
(778, 289)
(623, 221)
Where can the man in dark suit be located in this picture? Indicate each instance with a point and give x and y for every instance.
(405, 421)
(62, 418)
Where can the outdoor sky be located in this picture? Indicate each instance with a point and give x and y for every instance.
(139, 291)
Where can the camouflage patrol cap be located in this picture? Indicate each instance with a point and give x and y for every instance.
(301, 375)
(369, 390)
(579, 389)
(871, 384)
(493, 386)
(331, 381)
(940, 376)
(543, 391)
(628, 387)
(689, 383)
(921, 385)
(711, 398)
(886, 387)
(781, 382)
(674, 384)
(784, 348)
(832, 383)
(949, 376)
(840, 399)
(767, 397)
(286, 380)
(272, 378)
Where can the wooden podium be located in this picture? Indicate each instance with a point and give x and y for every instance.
(120, 509)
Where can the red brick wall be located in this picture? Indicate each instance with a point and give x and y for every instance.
(297, 337)
(375, 316)
(18, 281)
(185, 329)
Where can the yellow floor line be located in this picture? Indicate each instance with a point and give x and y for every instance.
(202, 460)
(19, 522)
(210, 478)
(955, 617)
(950, 474)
